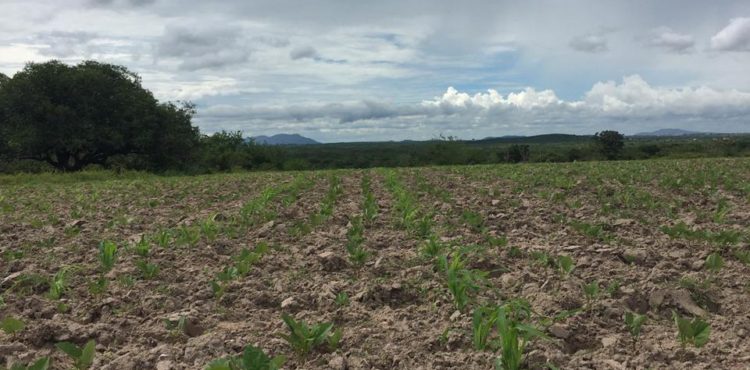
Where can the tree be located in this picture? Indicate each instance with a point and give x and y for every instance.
(73, 116)
(518, 153)
(609, 143)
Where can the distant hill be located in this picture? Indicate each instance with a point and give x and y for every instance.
(670, 132)
(284, 139)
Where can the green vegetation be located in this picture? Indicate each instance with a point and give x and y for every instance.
(252, 358)
(695, 332)
(304, 338)
(83, 357)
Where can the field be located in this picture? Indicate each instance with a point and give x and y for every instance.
(415, 268)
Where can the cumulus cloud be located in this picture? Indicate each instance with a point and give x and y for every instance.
(590, 43)
(671, 41)
(132, 3)
(631, 100)
(733, 37)
(63, 44)
(203, 47)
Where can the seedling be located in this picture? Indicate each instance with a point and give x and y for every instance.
(743, 256)
(634, 322)
(483, 321)
(143, 247)
(565, 264)
(148, 270)
(98, 286)
(613, 288)
(162, 238)
(83, 357)
(514, 335)
(304, 338)
(714, 262)
(342, 299)
(252, 358)
(57, 285)
(107, 255)
(209, 229)
(591, 291)
(218, 289)
(433, 248)
(695, 332)
(473, 219)
(11, 325)
(40, 364)
(460, 280)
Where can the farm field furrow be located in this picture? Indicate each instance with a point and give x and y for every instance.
(591, 265)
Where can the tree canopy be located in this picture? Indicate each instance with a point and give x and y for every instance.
(610, 143)
(90, 113)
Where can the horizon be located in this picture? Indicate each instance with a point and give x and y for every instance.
(412, 70)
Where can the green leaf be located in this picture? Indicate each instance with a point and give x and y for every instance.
(40, 364)
(11, 325)
(701, 332)
(70, 349)
(222, 364)
(87, 355)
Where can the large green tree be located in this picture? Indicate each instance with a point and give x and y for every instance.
(73, 116)
(609, 143)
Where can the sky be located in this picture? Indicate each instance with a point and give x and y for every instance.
(347, 70)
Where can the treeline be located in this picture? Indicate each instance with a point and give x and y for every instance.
(56, 117)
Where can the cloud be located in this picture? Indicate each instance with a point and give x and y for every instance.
(203, 47)
(303, 52)
(733, 37)
(126, 3)
(668, 40)
(589, 43)
(632, 103)
(63, 44)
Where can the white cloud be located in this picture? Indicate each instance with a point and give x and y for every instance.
(671, 41)
(733, 37)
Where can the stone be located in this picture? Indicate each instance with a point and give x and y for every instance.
(559, 331)
(164, 365)
(287, 302)
(609, 341)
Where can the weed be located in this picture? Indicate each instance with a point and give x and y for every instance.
(473, 219)
(613, 288)
(82, 357)
(252, 359)
(565, 264)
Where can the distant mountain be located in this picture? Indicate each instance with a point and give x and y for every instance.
(670, 132)
(284, 139)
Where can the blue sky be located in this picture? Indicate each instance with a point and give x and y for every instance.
(344, 70)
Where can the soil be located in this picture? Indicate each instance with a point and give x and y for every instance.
(399, 314)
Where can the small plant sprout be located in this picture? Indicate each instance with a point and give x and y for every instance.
(40, 364)
(433, 248)
(591, 292)
(58, 284)
(252, 359)
(514, 336)
(714, 262)
(566, 265)
(107, 255)
(218, 289)
(460, 280)
(162, 238)
(613, 288)
(634, 321)
(143, 247)
(98, 286)
(482, 322)
(342, 299)
(304, 338)
(83, 357)
(11, 325)
(148, 270)
(695, 332)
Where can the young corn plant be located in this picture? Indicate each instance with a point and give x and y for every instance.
(342, 299)
(514, 335)
(107, 255)
(357, 254)
(143, 247)
(714, 262)
(304, 338)
(162, 238)
(482, 322)
(695, 332)
(148, 270)
(252, 358)
(83, 358)
(461, 281)
(209, 229)
(433, 248)
(40, 364)
(566, 265)
(246, 259)
(634, 322)
(591, 292)
(58, 284)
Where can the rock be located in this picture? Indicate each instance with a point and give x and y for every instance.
(609, 341)
(741, 332)
(288, 302)
(612, 364)
(677, 298)
(455, 315)
(337, 363)
(697, 265)
(164, 365)
(559, 331)
(495, 202)
(263, 231)
(623, 222)
(635, 255)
